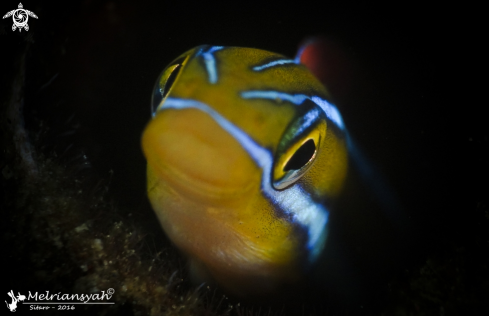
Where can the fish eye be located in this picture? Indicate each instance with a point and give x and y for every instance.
(165, 81)
(302, 156)
(298, 148)
(294, 162)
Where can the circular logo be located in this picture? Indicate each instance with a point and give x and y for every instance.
(20, 18)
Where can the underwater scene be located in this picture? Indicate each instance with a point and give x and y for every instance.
(165, 158)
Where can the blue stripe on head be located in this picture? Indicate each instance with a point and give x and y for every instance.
(296, 99)
(210, 63)
(274, 63)
(293, 201)
(329, 109)
(307, 120)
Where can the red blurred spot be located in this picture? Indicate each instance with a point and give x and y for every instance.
(329, 63)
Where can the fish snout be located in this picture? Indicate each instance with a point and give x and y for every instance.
(190, 151)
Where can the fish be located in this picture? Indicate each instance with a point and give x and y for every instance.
(246, 157)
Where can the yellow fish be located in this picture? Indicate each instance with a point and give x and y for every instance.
(245, 157)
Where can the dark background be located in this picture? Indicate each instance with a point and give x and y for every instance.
(408, 96)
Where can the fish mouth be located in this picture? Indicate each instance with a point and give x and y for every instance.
(188, 150)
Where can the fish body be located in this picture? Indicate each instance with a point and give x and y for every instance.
(246, 157)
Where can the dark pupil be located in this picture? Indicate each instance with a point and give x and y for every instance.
(301, 156)
(170, 80)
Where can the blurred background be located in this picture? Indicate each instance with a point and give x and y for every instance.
(398, 79)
